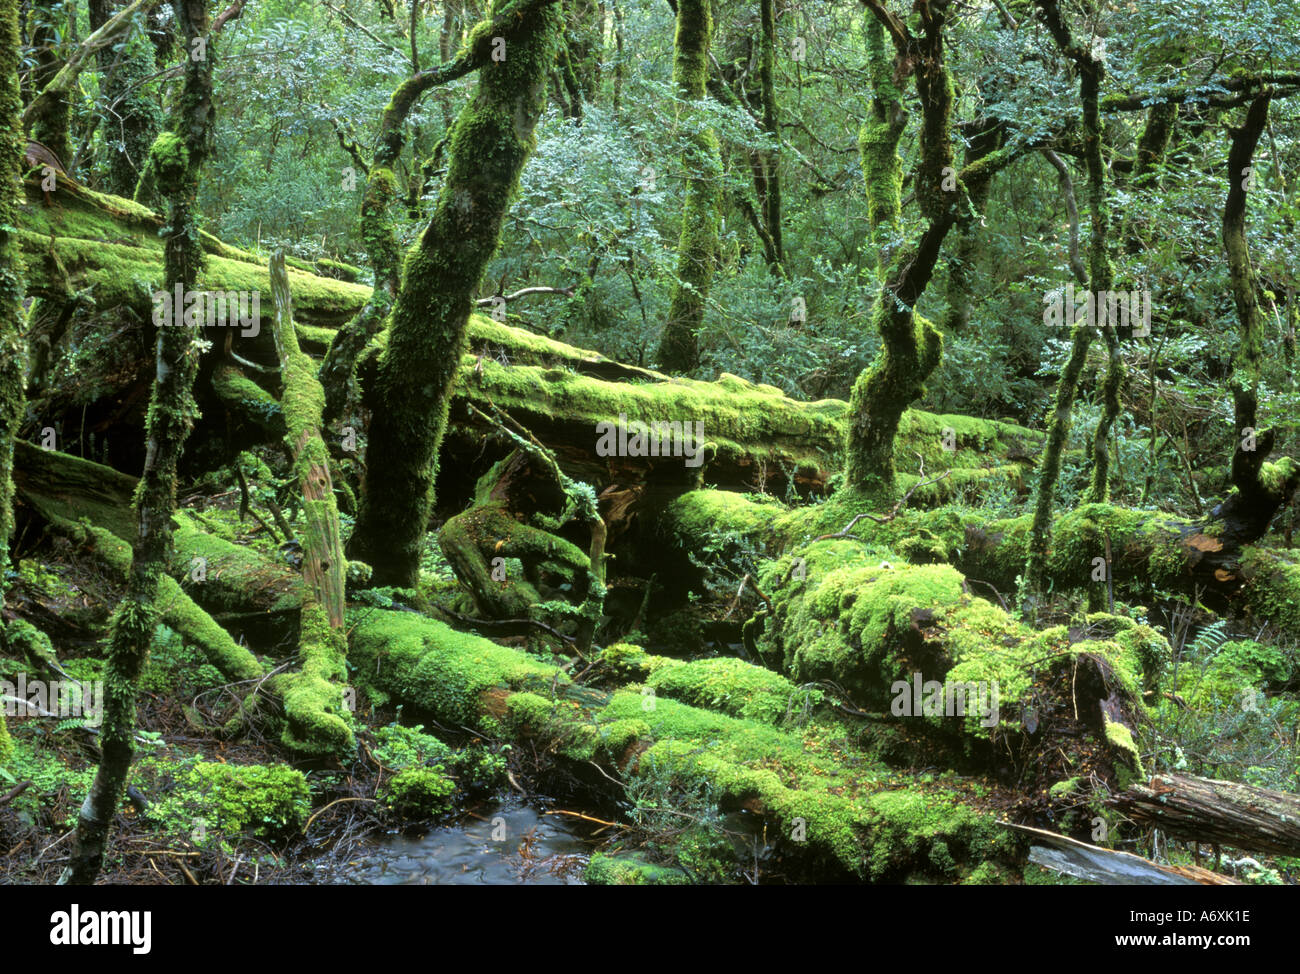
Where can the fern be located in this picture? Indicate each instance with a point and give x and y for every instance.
(1209, 640)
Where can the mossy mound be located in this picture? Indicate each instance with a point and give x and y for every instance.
(261, 801)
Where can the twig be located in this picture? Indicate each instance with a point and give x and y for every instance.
(14, 792)
(336, 801)
(585, 818)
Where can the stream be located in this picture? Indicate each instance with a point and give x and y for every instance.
(508, 843)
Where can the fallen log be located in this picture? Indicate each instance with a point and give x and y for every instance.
(1139, 551)
(1226, 813)
(105, 253)
(1110, 867)
(915, 642)
(820, 805)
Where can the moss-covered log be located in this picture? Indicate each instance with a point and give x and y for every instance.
(492, 139)
(65, 491)
(1149, 551)
(830, 810)
(316, 718)
(762, 440)
(891, 634)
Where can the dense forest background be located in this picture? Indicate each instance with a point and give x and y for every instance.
(378, 569)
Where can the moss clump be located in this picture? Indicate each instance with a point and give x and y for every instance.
(434, 669)
(730, 686)
(399, 748)
(258, 800)
(916, 826)
(630, 869)
(420, 793)
(626, 660)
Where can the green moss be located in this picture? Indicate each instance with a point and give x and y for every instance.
(931, 826)
(1064, 788)
(420, 793)
(399, 748)
(630, 869)
(6, 742)
(626, 660)
(248, 398)
(730, 686)
(259, 801)
(434, 668)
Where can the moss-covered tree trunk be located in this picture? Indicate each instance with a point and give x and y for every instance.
(49, 24)
(317, 721)
(490, 143)
(171, 416)
(12, 349)
(910, 346)
(1252, 445)
(1100, 278)
(769, 187)
(961, 266)
(337, 372)
(697, 250)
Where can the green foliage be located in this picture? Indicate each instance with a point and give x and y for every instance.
(260, 801)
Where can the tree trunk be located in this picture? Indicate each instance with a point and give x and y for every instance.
(1100, 277)
(171, 415)
(697, 250)
(910, 346)
(489, 146)
(1252, 446)
(317, 720)
(134, 117)
(12, 348)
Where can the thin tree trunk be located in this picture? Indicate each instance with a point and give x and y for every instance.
(171, 416)
(1100, 277)
(697, 250)
(910, 346)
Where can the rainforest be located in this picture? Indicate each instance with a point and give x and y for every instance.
(649, 442)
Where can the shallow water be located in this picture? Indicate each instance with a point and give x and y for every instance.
(506, 844)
